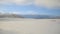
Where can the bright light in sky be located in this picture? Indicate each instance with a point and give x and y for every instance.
(44, 7)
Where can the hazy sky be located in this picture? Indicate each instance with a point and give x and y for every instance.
(44, 7)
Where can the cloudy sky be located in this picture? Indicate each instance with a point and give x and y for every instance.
(43, 7)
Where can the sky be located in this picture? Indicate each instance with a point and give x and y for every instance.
(41, 7)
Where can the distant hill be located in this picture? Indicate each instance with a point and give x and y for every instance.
(10, 16)
(29, 16)
(41, 16)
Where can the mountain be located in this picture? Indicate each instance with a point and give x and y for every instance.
(41, 16)
(10, 16)
(29, 16)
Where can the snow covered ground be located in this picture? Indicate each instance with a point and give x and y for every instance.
(29, 26)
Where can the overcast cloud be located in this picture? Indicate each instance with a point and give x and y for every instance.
(46, 3)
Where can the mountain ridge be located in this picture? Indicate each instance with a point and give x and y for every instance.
(29, 16)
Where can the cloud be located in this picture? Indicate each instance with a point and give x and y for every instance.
(46, 3)
(2, 12)
(24, 13)
(17, 2)
(19, 12)
(31, 12)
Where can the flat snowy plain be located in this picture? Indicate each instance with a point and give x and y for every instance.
(29, 26)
